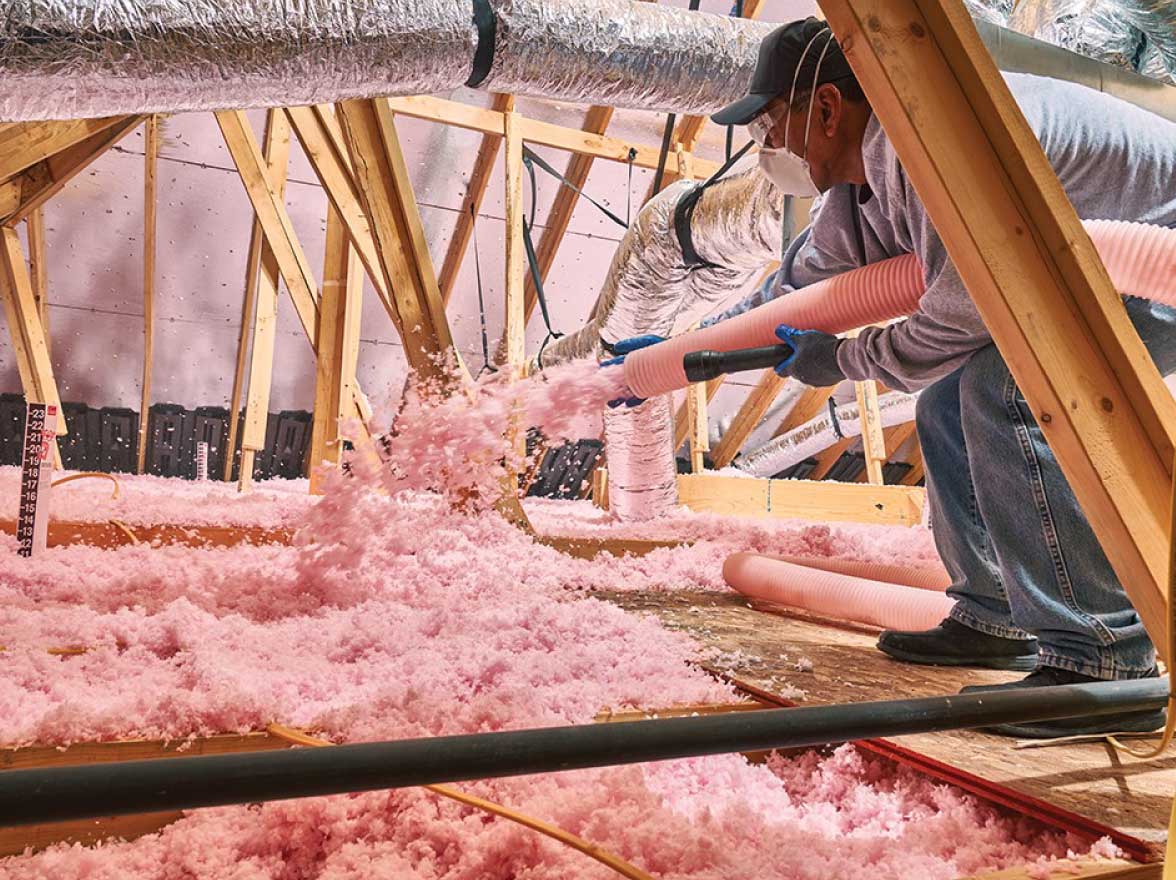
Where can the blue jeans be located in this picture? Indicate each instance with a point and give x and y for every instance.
(1023, 559)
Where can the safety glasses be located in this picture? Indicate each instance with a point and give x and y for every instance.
(760, 128)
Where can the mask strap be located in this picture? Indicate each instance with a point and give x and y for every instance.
(813, 93)
(792, 90)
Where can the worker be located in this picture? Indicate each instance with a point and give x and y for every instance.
(1033, 590)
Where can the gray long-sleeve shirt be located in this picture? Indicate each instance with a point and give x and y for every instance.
(1115, 162)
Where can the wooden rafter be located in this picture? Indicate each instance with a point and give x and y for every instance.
(1030, 268)
(271, 192)
(31, 188)
(750, 414)
(24, 144)
(682, 419)
(323, 143)
(150, 178)
(24, 326)
(472, 202)
(337, 347)
(873, 440)
(386, 193)
(544, 134)
(808, 405)
(828, 458)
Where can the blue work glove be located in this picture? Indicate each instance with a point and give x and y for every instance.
(814, 357)
(622, 348)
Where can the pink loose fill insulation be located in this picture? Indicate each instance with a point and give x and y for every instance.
(405, 618)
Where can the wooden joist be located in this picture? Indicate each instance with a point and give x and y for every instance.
(810, 404)
(1031, 270)
(39, 267)
(463, 227)
(801, 499)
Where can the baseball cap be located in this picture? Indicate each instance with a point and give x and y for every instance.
(779, 54)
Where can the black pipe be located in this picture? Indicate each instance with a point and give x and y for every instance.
(61, 793)
(701, 366)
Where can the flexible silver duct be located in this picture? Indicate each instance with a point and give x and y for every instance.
(85, 58)
(821, 432)
(1136, 35)
(1157, 19)
(1098, 29)
(737, 225)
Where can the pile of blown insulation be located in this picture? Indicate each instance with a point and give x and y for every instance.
(404, 617)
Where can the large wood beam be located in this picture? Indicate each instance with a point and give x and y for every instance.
(873, 439)
(39, 267)
(30, 189)
(387, 196)
(463, 228)
(1031, 270)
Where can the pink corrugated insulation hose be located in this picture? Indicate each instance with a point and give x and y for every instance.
(930, 577)
(830, 594)
(1140, 258)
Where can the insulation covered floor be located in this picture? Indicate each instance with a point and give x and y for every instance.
(404, 618)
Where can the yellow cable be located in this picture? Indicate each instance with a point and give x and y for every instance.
(84, 476)
(119, 524)
(577, 843)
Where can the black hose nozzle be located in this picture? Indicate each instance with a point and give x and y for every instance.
(701, 366)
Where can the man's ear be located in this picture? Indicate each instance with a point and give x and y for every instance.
(829, 107)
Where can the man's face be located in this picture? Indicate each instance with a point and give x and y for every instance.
(825, 140)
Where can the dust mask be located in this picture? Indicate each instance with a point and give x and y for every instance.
(787, 171)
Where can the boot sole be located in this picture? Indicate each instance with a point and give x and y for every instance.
(1150, 723)
(1019, 663)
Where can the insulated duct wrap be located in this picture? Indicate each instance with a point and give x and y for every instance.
(87, 58)
(623, 53)
(736, 223)
(81, 58)
(1098, 29)
(818, 434)
(1156, 19)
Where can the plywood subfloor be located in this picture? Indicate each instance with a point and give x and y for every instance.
(763, 649)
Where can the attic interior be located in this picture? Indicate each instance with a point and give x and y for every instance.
(432, 446)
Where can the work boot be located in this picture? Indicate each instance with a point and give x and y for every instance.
(953, 644)
(1147, 721)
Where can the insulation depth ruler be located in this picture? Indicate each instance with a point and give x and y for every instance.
(36, 473)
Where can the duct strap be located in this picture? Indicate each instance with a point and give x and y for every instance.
(834, 420)
(487, 23)
(531, 158)
(487, 366)
(684, 211)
